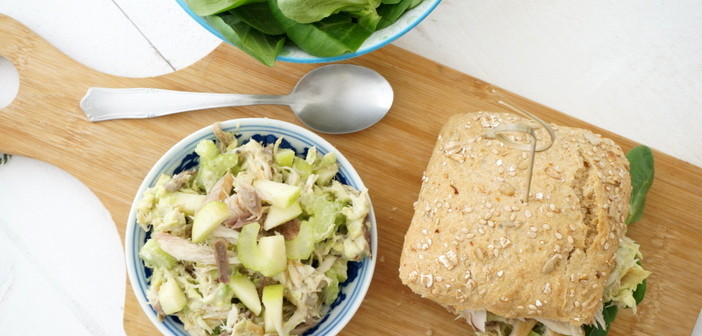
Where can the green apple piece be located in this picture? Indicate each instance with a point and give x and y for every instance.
(245, 290)
(266, 256)
(284, 157)
(206, 220)
(273, 250)
(187, 203)
(171, 297)
(154, 256)
(276, 193)
(302, 245)
(273, 315)
(277, 215)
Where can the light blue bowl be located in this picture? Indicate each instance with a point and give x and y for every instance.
(377, 40)
(181, 156)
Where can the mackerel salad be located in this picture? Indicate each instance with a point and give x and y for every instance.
(255, 241)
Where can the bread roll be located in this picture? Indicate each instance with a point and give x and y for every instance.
(474, 245)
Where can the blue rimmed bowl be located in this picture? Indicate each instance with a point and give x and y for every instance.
(378, 39)
(181, 156)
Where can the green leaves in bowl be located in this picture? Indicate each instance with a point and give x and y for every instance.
(321, 28)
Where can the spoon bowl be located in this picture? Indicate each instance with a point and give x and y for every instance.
(341, 98)
(334, 99)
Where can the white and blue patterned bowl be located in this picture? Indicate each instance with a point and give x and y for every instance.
(182, 156)
(377, 40)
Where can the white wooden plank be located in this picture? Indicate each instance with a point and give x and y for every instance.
(93, 32)
(180, 39)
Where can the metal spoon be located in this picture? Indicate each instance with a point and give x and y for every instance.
(336, 99)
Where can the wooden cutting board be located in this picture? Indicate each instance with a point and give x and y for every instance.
(112, 158)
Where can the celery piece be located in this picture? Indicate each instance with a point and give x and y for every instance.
(211, 170)
(336, 275)
(154, 256)
(277, 215)
(206, 220)
(245, 290)
(331, 291)
(207, 150)
(302, 245)
(324, 214)
(171, 297)
(273, 315)
(302, 167)
(266, 256)
(327, 169)
(339, 269)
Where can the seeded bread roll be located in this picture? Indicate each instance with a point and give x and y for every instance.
(474, 245)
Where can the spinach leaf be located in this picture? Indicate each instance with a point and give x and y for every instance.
(389, 13)
(307, 36)
(642, 173)
(367, 18)
(258, 15)
(211, 7)
(308, 11)
(609, 313)
(262, 47)
(415, 3)
(342, 28)
(640, 292)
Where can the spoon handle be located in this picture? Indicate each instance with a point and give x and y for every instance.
(106, 104)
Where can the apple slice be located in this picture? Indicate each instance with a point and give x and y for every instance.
(273, 315)
(277, 215)
(171, 297)
(206, 220)
(245, 290)
(187, 203)
(276, 193)
(154, 256)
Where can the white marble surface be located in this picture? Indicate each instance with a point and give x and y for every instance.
(634, 68)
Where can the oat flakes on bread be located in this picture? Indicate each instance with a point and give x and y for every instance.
(474, 247)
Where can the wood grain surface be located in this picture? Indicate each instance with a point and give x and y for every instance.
(112, 158)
